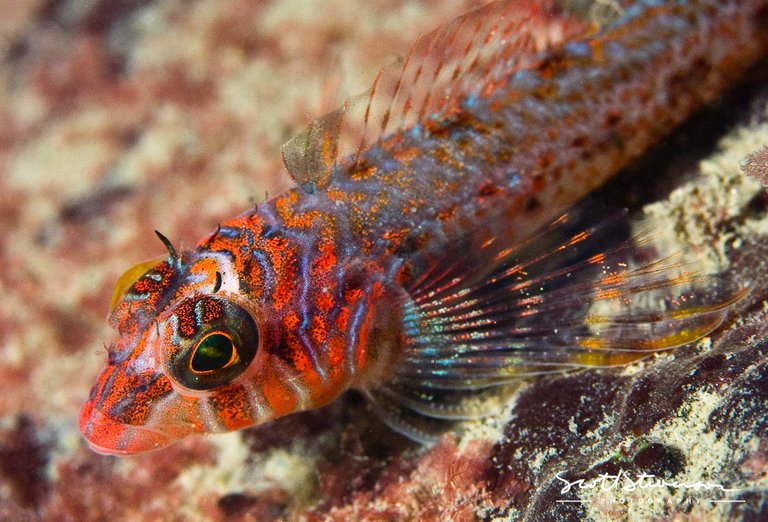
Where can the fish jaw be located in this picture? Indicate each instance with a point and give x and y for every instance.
(120, 415)
(110, 437)
(133, 407)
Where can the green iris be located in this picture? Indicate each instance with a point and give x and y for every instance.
(213, 353)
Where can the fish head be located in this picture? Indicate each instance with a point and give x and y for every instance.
(186, 359)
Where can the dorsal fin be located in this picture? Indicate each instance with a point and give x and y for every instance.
(309, 157)
(459, 61)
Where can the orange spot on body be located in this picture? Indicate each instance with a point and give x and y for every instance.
(324, 302)
(353, 295)
(279, 397)
(319, 330)
(406, 156)
(291, 321)
(326, 258)
(342, 319)
(396, 237)
(233, 410)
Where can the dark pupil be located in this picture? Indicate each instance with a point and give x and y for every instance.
(213, 353)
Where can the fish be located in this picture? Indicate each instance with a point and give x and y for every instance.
(441, 240)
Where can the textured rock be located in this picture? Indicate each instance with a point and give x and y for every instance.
(756, 165)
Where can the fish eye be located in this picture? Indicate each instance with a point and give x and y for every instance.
(218, 342)
(214, 351)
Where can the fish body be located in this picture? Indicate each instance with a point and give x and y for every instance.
(430, 262)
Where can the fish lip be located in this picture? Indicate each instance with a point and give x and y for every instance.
(110, 437)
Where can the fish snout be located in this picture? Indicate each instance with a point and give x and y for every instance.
(110, 437)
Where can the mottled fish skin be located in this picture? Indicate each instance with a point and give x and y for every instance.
(315, 283)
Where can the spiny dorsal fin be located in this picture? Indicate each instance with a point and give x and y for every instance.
(310, 156)
(460, 60)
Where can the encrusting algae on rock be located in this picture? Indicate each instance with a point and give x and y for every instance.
(756, 165)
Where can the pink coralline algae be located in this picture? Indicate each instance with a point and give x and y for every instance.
(756, 165)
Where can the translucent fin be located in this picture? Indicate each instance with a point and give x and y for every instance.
(454, 64)
(310, 156)
(440, 403)
(570, 297)
(566, 298)
(600, 12)
(407, 422)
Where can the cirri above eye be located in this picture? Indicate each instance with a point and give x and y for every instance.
(218, 342)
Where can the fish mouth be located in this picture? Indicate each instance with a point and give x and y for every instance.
(110, 437)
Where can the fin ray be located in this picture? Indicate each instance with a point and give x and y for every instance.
(570, 297)
(457, 62)
(407, 422)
